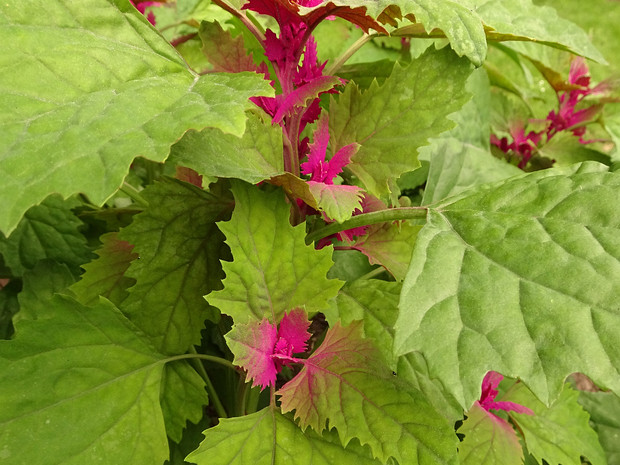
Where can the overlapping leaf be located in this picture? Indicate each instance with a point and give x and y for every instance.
(604, 410)
(254, 157)
(488, 440)
(105, 276)
(344, 384)
(560, 433)
(273, 270)
(183, 397)
(47, 231)
(512, 274)
(80, 387)
(391, 122)
(180, 248)
(87, 87)
(270, 438)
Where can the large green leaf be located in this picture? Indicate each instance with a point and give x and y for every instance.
(345, 384)
(180, 248)
(510, 275)
(80, 387)
(47, 231)
(391, 122)
(604, 410)
(270, 438)
(88, 86)
(273, 270)
(560, 434)
(254, 157)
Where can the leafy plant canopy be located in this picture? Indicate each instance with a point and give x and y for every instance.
(309, 232)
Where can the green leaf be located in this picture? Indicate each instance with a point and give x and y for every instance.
(390, 245)
(80, 387)
(40, 284)
(337, 201)
(105, 276)
(345, 383)
(488, 440)
(254, 157)
(566, 149)
(269, 438)
(273, 270)
(47, 231)
(183, 397)
(560, 434)
(513, 273)
(391, 122)
(460, 158)
(376, 303)
(223, 51)
(87, 87)
(180, 248)
(604, 410)
(9, 306)
(522, 20)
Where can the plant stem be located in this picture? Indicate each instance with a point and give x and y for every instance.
(372, 273)
(342, 59)
(243, 18)
(213, 397)
(134, 194)
(365, 219)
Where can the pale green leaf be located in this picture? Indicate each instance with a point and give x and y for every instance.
(180, 248)
(80, 387)
(560, 434)
(510, 275)
(488, 440)
(273, 271)
(254, 157)
(88, 86)
(345, 384)
(391, 122)
(269, 438)
(183, 397)
(604, 410)
(47, 231)
(337, 201)
(105, 276)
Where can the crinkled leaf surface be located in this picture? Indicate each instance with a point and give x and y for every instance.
(224, 52)
(180, 248)
(488, 440)
(47, 231)
(560, 434)
(512, 274)
(273, 270)
(80, 387)
(183, 397)
(344, 384)
(88, 86)
(270, 438)
(604, 410)
(337, 201)
(254, 157)
(391, 122)
(105, 276)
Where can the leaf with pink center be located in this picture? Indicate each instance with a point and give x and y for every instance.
(262, 349)
(346, 384)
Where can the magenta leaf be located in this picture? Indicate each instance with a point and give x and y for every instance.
(489, 393)
(262, 349)
(304, 96)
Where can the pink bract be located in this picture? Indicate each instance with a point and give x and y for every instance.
(489, 393)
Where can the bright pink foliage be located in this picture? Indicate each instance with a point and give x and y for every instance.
(142, 6)
(489, 393)
(269, 348)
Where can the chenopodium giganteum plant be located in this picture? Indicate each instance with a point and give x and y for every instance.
(306, 232)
